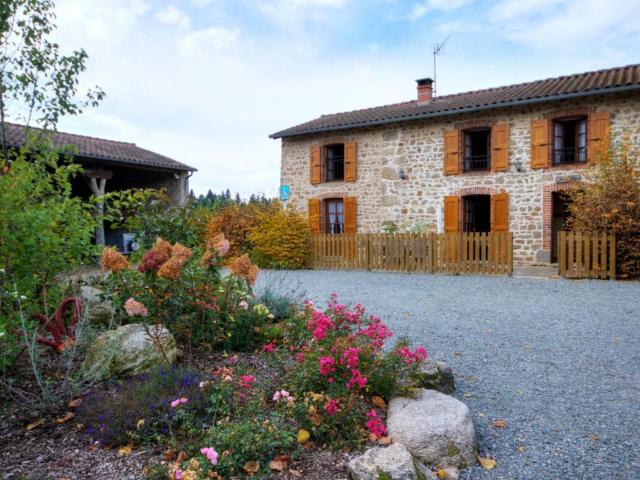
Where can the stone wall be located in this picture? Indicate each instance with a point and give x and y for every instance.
(414, 150)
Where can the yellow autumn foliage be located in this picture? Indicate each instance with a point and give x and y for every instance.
(279, 238)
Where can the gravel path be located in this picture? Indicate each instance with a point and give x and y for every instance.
(558, 360)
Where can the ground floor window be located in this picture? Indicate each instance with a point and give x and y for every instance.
(334, 215)
(477, 213)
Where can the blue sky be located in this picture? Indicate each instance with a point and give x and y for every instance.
(206, 81)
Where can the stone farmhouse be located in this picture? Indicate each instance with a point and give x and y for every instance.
(496, 159)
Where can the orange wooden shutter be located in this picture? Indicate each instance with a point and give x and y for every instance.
(316, 164)
(540, 143)
(451, 206)
(350, 154)
(599, 126)
(451, 152)
(350, 215)
(314, 215)
(500, 147)
(500, 212)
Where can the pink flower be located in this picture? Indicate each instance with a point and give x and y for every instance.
(178, 474)
(282, 395)
(332, 407)
(246, 381)
(300, 357)
(269, 347)
(244, 305)
(222, 248)
(419, 355)
(211, 454)
(375, 425)
(327, 365)
(179, 401)
(319, 324)
(135, 308)
(351, 357)
(357, 379)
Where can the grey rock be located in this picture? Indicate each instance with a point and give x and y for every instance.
(435, 375)
(99, 310)
(436, 428)
(391, 463)
(128, 350)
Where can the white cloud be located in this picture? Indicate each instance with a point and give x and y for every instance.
(207, 41)
(294, 14)
(421, 9)
(173, 16)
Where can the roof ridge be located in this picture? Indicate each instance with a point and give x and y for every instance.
(540, 80)
(70, 134)
(406, 102)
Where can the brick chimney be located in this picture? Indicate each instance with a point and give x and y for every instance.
(425, 90)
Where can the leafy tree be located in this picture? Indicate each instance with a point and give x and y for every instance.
(37, 82)
(610, 202)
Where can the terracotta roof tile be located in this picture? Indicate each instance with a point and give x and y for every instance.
(588, 83)
(101, 149)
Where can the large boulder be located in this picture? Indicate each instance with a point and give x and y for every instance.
(436, 428)
(435, 375)
(391, 463)
(128, 350)
(99, 309)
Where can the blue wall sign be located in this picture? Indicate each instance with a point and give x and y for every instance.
(284, 192)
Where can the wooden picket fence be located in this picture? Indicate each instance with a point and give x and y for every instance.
(586, 255)
(489, 253)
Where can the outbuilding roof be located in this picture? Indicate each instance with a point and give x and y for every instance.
(100, 149)
(579, 84)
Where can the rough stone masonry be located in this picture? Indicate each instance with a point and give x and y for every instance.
(400, 176)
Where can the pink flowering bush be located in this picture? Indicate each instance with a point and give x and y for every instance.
(341, 363)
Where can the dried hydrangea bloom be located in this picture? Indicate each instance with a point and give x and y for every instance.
(243, 268)
(214, 241)
(179, 250)
(171, 268)
(163, 248)
(152, 260)
(112, 260)
(135, 308)
(208, 259)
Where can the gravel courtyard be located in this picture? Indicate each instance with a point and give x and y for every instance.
(558, 360)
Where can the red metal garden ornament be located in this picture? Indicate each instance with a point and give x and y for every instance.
(61, 337)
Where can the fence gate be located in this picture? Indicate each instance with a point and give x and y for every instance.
(586, 255)
(490, 253)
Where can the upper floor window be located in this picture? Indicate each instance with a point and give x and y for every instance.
(334, 216)
(477, 149)
(570, 140)
(334, 162)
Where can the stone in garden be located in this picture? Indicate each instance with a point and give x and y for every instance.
(390, 463)
(435, 375)
(128, 350)
(436, 428)
(99, 310)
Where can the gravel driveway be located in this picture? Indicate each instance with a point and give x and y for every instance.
(558, 360)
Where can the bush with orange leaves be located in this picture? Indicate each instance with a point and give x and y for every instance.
(236, 222)
(609, 201)
(185, 291)
(279, 238)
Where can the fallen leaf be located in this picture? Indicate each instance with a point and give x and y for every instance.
(251, 467)
(387, 440)
(593, 437)
(35, 424)
(521, 448)
(140, 424)
(169, 455)
(466, 395)
(75, 403)
(500, 423)
(79, 426)
(442, 475)
(303, 435)
(487, 463)
(457, 354)
(68, 416)
(378, 401)
(295, 473)
(126, 450)
(182, 456)
(520, 392)
(278, 465)
(480, 414)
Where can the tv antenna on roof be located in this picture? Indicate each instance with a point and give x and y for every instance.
(436, 51)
